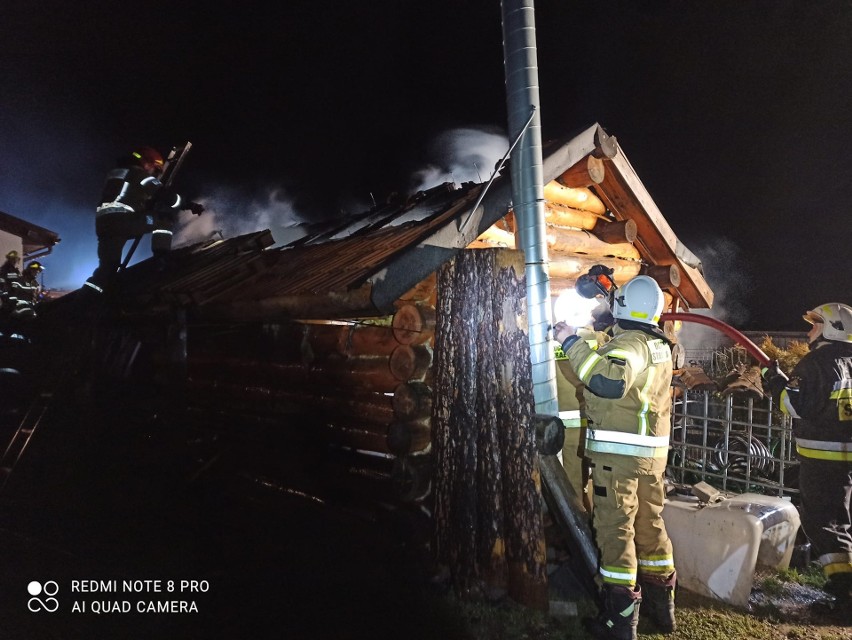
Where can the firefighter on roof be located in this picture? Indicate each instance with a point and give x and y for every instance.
(134, 202)
(627, 383)
(818, 395)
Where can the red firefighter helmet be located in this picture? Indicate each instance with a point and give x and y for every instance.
(149, 155)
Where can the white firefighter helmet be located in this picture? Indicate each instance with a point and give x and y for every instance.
(640, 300)
(836, 320)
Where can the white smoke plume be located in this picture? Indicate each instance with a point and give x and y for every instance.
(466, 154)
(227, 215)
(727, 273)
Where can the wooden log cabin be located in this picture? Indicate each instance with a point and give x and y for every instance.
(313, 367)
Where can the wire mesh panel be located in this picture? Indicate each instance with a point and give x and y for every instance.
(734, 443)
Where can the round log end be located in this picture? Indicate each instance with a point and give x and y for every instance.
(667, 276)
(412, 324)
(549, 434)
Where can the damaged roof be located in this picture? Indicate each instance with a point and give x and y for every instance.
(360, 266)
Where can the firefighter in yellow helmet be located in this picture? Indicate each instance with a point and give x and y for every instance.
(24, 291)
(818, 395)
(30, 278)
(628, 400)
(134, 202)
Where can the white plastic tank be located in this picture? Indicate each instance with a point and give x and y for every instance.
(718, 546)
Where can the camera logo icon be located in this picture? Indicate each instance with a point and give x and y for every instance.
(43, 596)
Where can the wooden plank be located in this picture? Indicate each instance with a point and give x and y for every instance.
(627, 198)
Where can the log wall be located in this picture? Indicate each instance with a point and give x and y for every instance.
(359, 388)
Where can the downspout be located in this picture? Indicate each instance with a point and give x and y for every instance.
(522, 98)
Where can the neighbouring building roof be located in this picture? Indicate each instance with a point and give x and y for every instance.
(35, 239)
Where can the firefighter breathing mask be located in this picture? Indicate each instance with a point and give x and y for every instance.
(597, 282)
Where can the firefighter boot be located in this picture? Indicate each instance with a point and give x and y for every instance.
(619, 615)
(659, 596)
(840, 586)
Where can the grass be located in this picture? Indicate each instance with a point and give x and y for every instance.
(698, 618)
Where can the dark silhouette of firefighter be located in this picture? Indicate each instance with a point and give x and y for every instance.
(818, 395)
(627, 386)
(27, 291)
(10, 265)
(10, 274)
(20, 291)
(134, 202)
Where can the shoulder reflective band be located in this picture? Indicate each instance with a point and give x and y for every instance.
(823, 450)
(627, 444)
(93, 286)
(572, 419)
(165, 232)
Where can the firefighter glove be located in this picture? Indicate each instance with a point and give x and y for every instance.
(196, 208)
(561, 331)
(775, 379)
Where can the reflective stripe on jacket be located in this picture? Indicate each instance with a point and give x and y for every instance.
(133, 189)
(824, 450)
(819, 396)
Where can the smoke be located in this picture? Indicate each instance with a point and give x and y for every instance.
(727, 272)
(227, 214)
(466, 154)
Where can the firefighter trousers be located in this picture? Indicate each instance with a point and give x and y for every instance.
(826, 492)
(575, 465)
(628, 524)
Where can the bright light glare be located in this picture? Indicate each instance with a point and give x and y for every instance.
(570, 307)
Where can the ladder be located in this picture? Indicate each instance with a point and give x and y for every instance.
(18, 444)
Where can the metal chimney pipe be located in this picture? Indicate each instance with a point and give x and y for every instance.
(522, 98)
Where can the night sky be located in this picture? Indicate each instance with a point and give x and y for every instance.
(734, 113)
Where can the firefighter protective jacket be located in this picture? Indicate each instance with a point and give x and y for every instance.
(819, 394)
(131, 189)
(628, 381)
(569, 388)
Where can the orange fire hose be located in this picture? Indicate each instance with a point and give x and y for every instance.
(727, 329)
